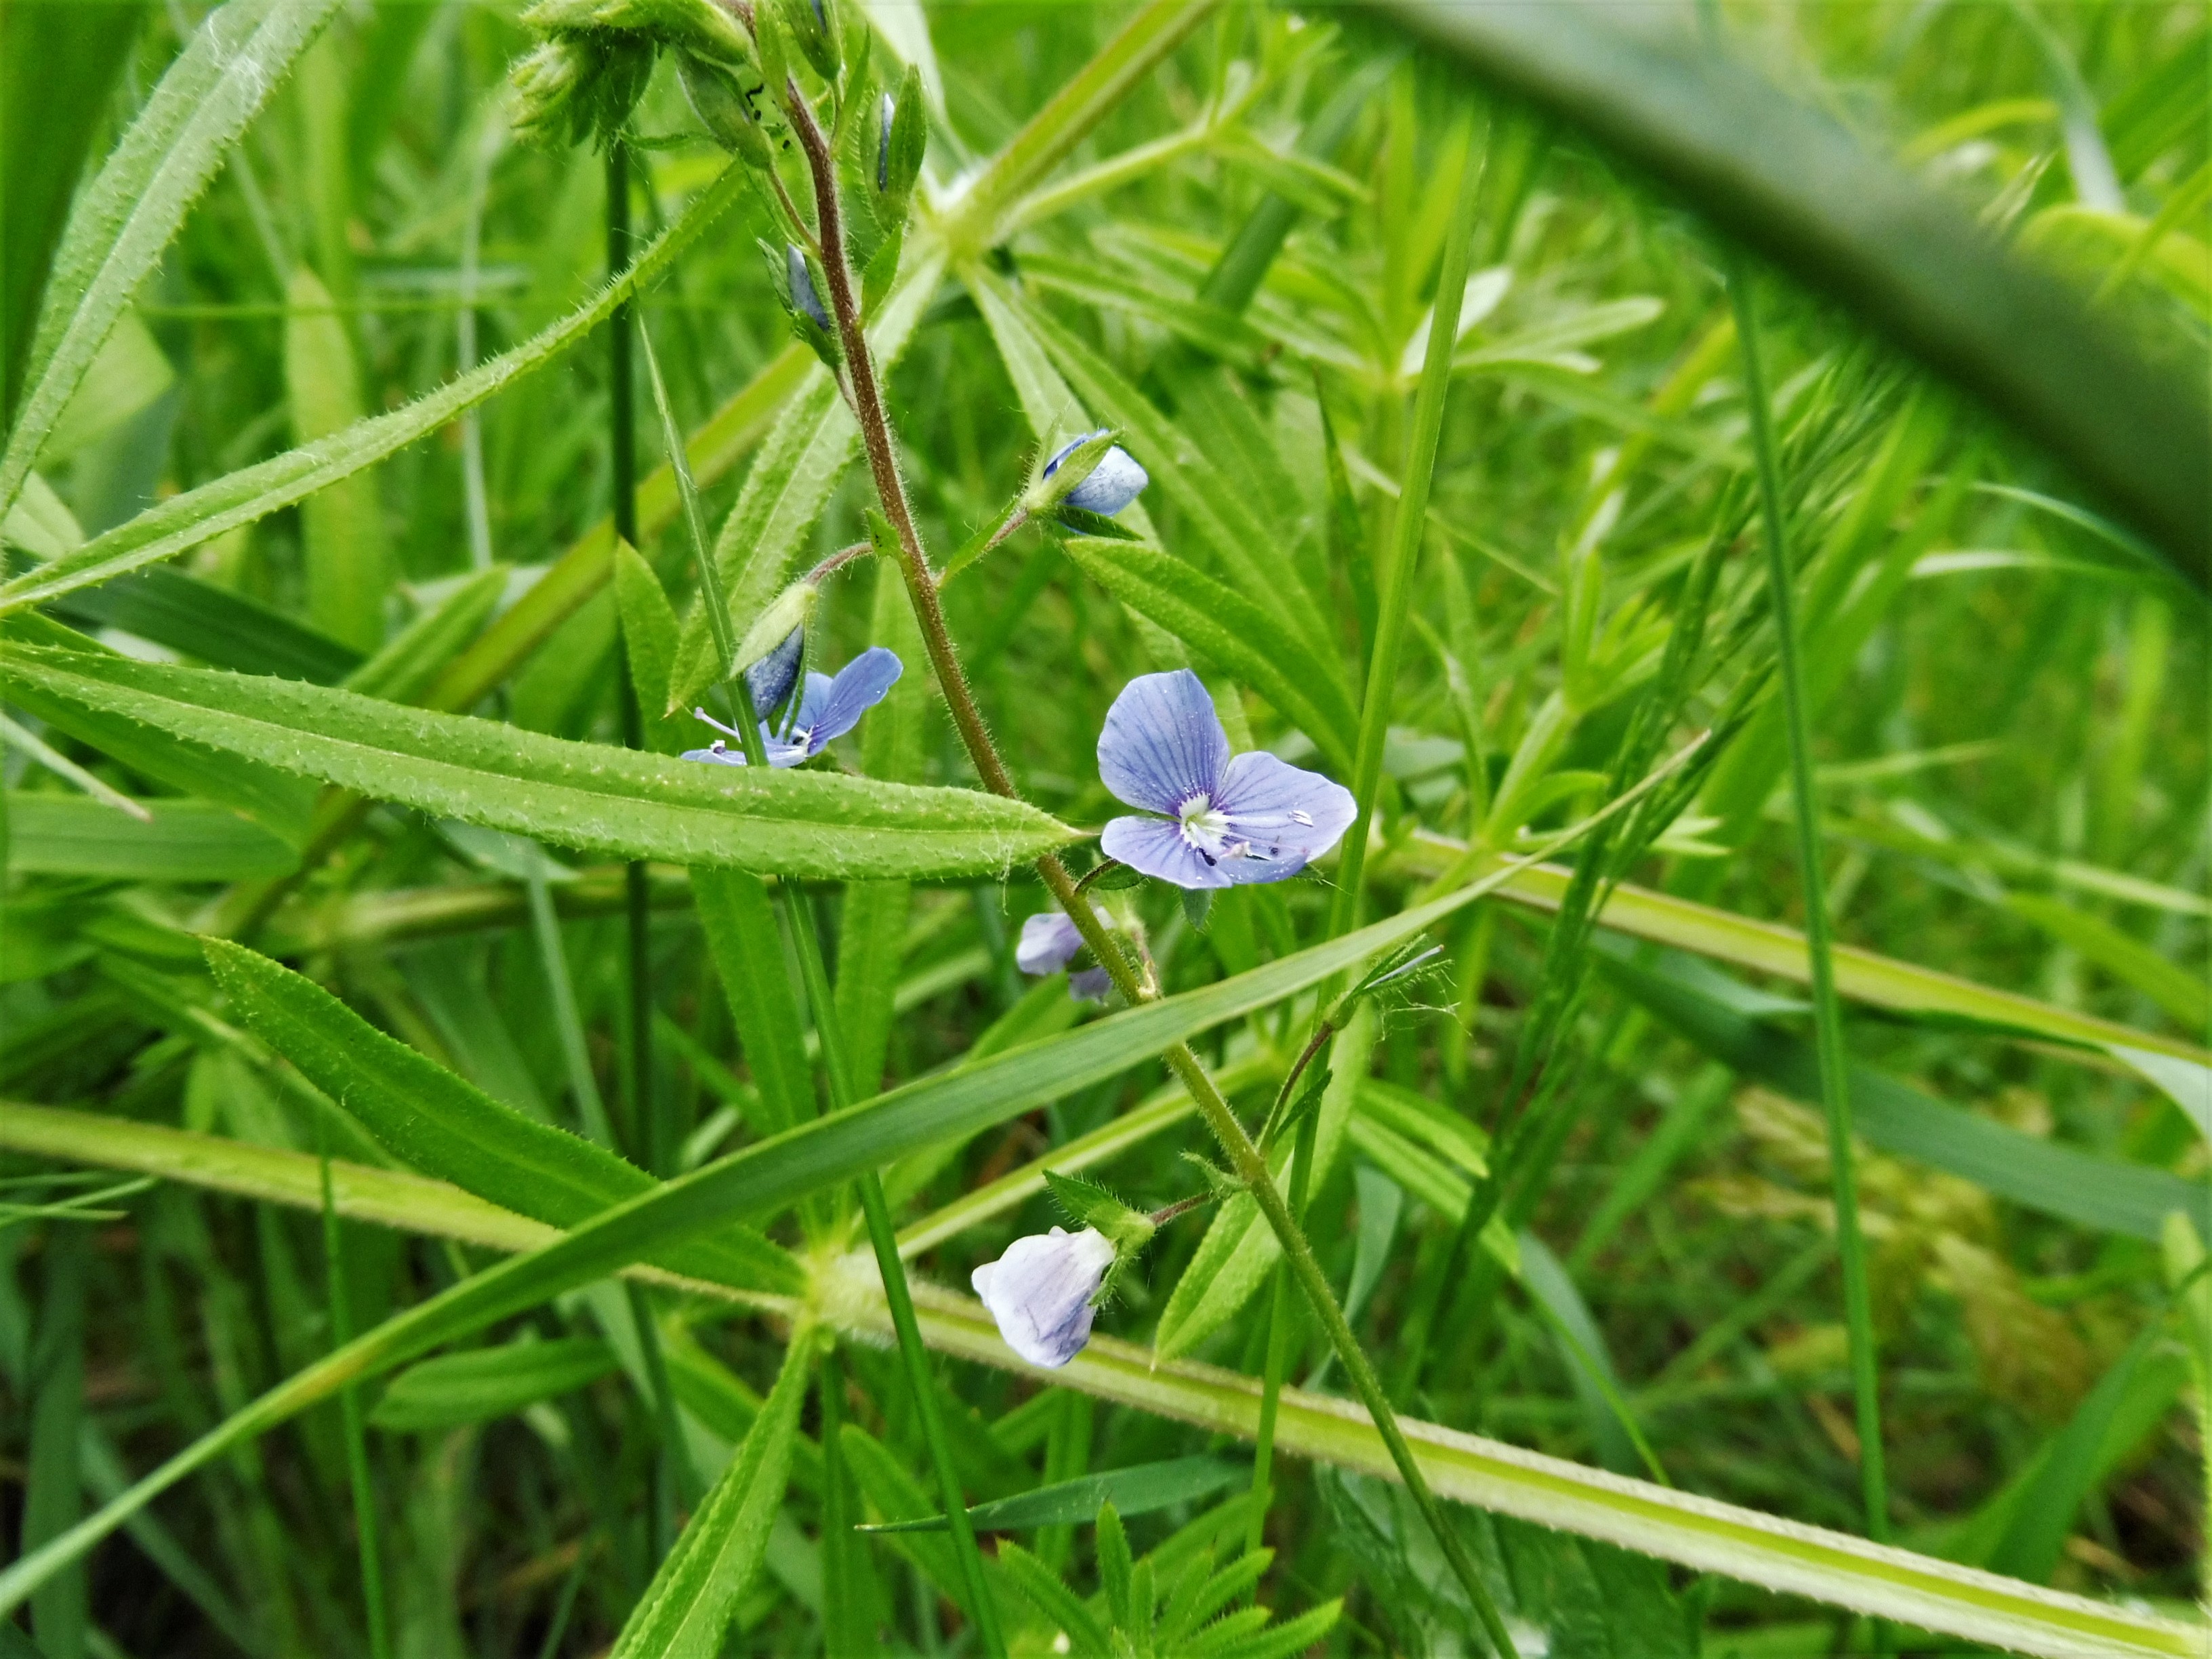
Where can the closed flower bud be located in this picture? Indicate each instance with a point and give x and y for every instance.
(1042, 1292)
(772, 631)
(1099, 477)
(768, 681)
(811, 26)
(803, 296)
(723, 109)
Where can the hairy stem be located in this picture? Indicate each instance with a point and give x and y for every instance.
(1244, 1157)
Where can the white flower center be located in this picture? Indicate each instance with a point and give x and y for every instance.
(1203, 825)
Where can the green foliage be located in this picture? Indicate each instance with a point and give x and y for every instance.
(347, 839)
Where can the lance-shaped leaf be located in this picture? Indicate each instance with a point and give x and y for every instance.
(127, 214)
(688, 1608)
(818, 825)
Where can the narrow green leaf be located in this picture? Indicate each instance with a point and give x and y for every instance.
(2097, 1192)
(57, 835)
(212, 624)
(404, 669)
(688, 1608)
(816, 824)
(127, 214)
(480, 1384)
(349, 557)
(184, 521)
(2031, 1546)
(1230, 630)
(1138, 1491)
(436, 1122)
(2181, 993)
(747, 950)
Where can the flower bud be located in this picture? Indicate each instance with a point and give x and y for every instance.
(723, 109)
(1043, 1293)
(772, 631)
(811, 26)
(575, 87)
(901, 140)
(791, 274)
(768, 681)
(803, 296)
(1091, 473)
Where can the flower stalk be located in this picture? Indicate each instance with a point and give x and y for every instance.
(1246, 1161)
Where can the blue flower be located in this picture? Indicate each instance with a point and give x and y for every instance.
(1050, 942)
(827, 709)
(1116, 481)
(1222, 822)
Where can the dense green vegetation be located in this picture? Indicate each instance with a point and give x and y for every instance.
(1720, 513)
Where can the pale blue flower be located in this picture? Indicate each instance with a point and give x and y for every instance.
(1116, 481)
(826, 710)
(1040, 1292)
(1050, 942)
(1223, 822)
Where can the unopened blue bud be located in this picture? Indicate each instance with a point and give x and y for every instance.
(802, 285)
(770, 680)
(887, 113)
(1116, 481)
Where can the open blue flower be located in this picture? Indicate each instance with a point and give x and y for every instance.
(1222, 822)
(1050, 942)
(826, 710)
(1116, 481)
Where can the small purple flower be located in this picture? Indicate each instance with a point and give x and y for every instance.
(1050, 942)
(826, 711)
(1223, 822)
(1116, 481)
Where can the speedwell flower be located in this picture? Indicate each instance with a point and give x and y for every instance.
(1223, 822)
(826, 710)
(1040, 1290)
(1116, 481)
(1050, 943)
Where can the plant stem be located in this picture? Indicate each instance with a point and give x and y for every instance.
(648, 1138)
(807, 939)
(1282, 1318)
(1827, 1021)
(1250, 1165)
(356, 1445)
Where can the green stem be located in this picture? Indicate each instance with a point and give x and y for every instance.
(882, 1235)
(1827, 1020)
(1250, 1165)
(1281, 1316)
(356, 1443)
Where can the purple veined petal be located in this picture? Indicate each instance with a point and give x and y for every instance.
(1050, 942)
(1039, 1292)
(1281, 809)
(1157, 848)
(832, 708)
(1163, 743)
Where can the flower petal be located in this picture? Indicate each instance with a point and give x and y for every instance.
(1155, 847)
(1039, 1291)
(1116, 481)
(1090, 984)
(833, 708)
(1276, 806)
(1163, 743)
(1050, 942)
(721, 755)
